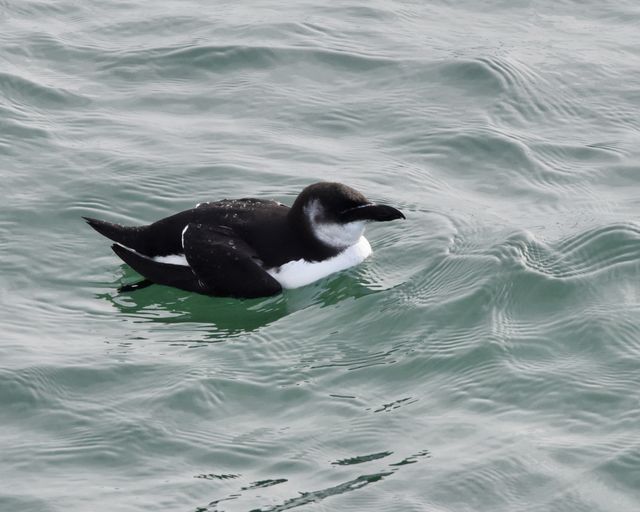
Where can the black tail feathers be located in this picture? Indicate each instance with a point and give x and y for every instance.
(124, 235)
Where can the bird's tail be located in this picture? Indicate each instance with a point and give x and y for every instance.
(124, 235)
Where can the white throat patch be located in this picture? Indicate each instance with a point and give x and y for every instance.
(333, 234)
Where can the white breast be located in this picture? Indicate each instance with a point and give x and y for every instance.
(301, 272)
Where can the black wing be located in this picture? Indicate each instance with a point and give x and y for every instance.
(225, 264)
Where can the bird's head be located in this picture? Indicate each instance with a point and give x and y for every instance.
(336, 214)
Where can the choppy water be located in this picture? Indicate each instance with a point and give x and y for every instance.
(486, 358)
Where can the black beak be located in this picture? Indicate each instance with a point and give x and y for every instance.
(375, 212)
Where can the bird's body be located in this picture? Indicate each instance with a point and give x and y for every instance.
(251, 247)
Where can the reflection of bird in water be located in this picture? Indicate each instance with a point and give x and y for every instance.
(226, 318)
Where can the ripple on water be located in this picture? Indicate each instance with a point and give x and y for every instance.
(475, 75)
(35, 93)
(188, 60)
(600, 249)
(316, 496)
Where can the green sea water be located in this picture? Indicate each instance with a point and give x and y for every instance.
(485, 358)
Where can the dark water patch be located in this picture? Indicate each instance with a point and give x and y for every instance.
(476, 75)
(353, 61)
(401, 402)
(308, 497)
(261, 484)
(213, 476)
(29, 390)
(189, 60)
(316, 496)
(361, 459)
(15, 501)
(29, 93)
(412, 459)
(32, 9)
(621, 463)
(190, 57)
(363, 12)
(115, 32)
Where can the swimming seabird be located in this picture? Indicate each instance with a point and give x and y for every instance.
(252, 247)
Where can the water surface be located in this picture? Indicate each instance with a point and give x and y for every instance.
(485, 358)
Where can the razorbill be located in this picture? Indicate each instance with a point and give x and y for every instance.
(251, 247)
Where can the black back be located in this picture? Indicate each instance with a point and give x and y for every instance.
(270, 228)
